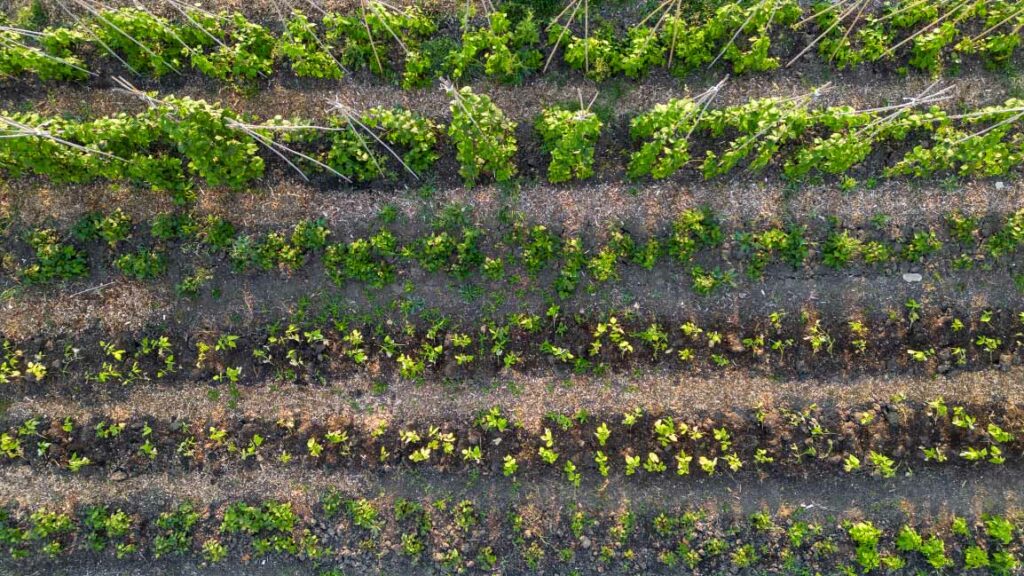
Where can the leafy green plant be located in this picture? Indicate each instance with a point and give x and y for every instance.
(408, 130)
(308, 54)
(243, 52)
(106, 527)
(839, 249)
(145, 42)
(502, 50)
(114, 228)
(569, 136)
(369, 37)
(866, 537)
(484, 138)
(665, 132)
(694, 230)
(142, 265)
(54, 260)
(54, 59)
(270, 526)
(175, 531)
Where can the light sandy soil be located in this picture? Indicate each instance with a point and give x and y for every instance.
(528, 398)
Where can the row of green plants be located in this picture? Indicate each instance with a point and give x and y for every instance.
(451, 534)
(401, 339)
(511, 252)
(177, 140)
(804, 141)
(408, 46)
(920, 35)
(874, 440)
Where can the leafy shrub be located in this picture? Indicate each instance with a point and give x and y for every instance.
(693, 230)
(706, 282)
(539, 246)
(203, 133)
(306, 52)
(54, 260)
(173, 226)
(569, 136)
(597, 55)
(1009, 237)
(53, 60)
(572, 268)
(762, 126)
(363, 259)
(665, 132)
(866, 537)
(310, 235)
(105, 527)
(408, 130)
(50, 527)
(642, 52)
(840, 248)
(175, 536)
(216, 151)
(191, 285)
(410, 136)
(216, 232)
(147, 43)
(43, 156)
(460, 256)
(243, 50)
(741, 34)
(368, 38)
(921, 244)
(114, 227)
(270, 527)
(142, 265)
(502, 50)
(790, 244)
(484, 139)
(353, 153)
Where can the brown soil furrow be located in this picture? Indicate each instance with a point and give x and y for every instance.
(526, 398)
(642, 205)
(938, 492)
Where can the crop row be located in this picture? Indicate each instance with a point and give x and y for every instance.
(877, 439)
(508, 45)
(177, 139)
(456, 535)
(402, 338)
(507, 253)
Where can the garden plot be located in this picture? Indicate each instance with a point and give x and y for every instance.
(511, 288)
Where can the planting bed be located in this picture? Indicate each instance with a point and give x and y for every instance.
(524, 287)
